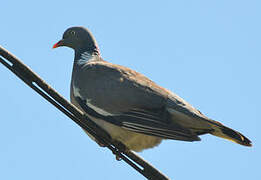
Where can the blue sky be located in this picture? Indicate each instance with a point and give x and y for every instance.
(206, 52)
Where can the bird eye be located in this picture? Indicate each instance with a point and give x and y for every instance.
(72, 33)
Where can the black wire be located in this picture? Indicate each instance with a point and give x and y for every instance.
(47, 92)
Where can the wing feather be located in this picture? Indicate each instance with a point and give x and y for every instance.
(145, 122)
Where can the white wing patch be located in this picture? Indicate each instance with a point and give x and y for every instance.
(97, 109)
(76, 93)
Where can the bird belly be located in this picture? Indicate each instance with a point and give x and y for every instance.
(132, 140)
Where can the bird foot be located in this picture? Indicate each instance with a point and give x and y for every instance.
(118, 158)
(101, 144)
(121, 148)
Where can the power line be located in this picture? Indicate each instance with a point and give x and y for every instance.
(47, 92)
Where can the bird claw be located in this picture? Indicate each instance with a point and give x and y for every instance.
(122, 148)
(101, 144)
(118, 158)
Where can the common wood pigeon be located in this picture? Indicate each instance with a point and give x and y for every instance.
(130, 107)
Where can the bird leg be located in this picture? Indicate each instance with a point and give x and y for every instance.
(100, 144)
(120, 148)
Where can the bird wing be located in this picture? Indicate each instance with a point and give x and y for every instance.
(128, 99)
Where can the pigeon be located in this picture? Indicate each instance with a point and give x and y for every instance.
(131, 108)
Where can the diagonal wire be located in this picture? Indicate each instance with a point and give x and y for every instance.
(47, 92)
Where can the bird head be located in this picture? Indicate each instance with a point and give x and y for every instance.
(79, 39)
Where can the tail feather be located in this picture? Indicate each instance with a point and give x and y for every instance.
(229, 134)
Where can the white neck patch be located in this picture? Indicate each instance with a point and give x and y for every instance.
(85, 56)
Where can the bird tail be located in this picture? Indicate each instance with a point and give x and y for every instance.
(227, 133)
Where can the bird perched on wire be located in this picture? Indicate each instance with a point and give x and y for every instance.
(130, 107)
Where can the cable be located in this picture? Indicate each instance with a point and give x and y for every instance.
(47, 92)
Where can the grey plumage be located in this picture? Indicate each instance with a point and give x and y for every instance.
(129, 106)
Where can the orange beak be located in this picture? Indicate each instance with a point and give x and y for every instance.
(58, 44)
